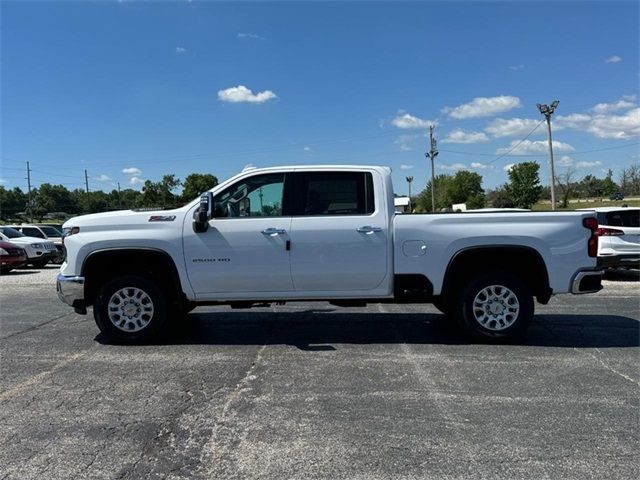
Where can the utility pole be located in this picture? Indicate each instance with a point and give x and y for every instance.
(432, 153)
(86, 180)
(29, 193)
(547, 111)
(119, 197)
(409, 180)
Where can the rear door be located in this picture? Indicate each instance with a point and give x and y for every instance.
(339, 234)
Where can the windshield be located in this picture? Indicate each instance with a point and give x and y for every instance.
(10, 232)
(50, 232)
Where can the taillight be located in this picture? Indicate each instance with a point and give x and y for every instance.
(592, 245)
(609, 232)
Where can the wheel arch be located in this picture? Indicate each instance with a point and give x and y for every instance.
(101, 265)
(523, 261)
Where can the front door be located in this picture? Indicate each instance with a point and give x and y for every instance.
(244, 251)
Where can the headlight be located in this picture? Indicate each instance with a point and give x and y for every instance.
(3, 252)
(68, 231)
(37, 245)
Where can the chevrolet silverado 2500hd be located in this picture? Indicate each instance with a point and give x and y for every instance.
(321, 233)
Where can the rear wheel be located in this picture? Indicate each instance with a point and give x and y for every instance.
(496, 306)
(130, 308)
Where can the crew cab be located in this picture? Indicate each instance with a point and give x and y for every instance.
(326, 233)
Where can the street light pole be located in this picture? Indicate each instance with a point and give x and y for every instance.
(409, 180)
(547, 111)
(431, 154)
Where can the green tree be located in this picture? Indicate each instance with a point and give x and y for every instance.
(499, 198)
(466, 187)
(590, 187)
(524, 184)
(442, 196)
(11, 202)
(608, 185)
(54, 198)
(195, 184)
(160, 194)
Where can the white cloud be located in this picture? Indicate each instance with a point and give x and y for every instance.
(2, 180)
(132, 171)
(252, 36)
(529, 147)
(565, 161)
(405, 120)
(625, 103)
(180, 50)
(405, 142)
(480, 166)
(588, 164)
(602, 125)
(405, 167)
(103, 178)
(483, 107)
(516, 67)
(136, 181)
(613, 59)
(243, 94)
(616, 126)
(512, 127)
(507, 168)
(574, 120)
(461, 136)
(307, 149)
(453, 166)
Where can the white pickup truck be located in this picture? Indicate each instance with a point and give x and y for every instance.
(326, 233)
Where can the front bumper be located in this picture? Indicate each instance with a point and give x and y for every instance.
(71, 291)
(587, 281)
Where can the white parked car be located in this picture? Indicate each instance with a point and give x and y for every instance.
(619, 231)
(39, 251)
(44, 232)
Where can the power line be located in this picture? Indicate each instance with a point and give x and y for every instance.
(516, 145)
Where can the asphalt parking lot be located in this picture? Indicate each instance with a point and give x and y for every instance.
(309, 390)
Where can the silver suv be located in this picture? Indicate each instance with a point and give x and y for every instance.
(619, 232)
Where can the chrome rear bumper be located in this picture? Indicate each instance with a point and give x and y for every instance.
(587, 281)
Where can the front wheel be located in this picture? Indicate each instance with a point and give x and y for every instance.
(130, 308)
(496, 306)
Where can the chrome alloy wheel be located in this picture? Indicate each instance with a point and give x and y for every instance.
(496, 307)
(130, 309)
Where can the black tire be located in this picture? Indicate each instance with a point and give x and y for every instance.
(5, 270)
(58, 258)
(40, 263)
(504, 292)
(143, 326)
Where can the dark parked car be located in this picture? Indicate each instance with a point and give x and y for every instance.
(11, 256)
(616, 196)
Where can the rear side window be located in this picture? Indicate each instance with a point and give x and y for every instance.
(623, 218)
(32, 232)
(334, 193)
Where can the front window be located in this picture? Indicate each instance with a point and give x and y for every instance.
(32, 232)
(258, 196)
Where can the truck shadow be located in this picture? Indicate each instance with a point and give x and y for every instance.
(315, 330)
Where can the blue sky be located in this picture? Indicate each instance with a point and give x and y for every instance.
(131, 91)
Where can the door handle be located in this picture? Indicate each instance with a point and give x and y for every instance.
(274, 231)
(368, 229)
